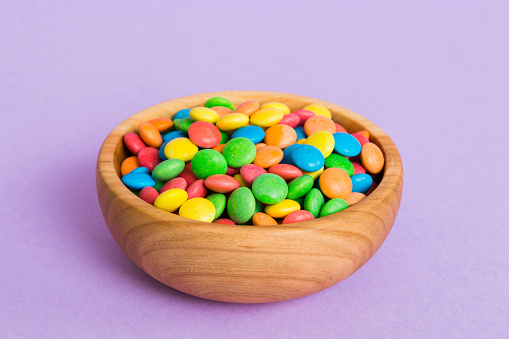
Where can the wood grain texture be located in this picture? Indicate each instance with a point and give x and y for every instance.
(247, 264)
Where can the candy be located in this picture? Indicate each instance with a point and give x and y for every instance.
(180, 148)
(219, 148)
(298, 187)
(163, 156)
(298, 216)
(198, 209)
(285, 171)
(221, 111)
(140, 170)
(372, 158)
(354, 198)
(314, 174)
(158, 185)
(358, 168)
(204, 114)
(322, 140)
(204, 134)
(239, 152)
(219, 201)
(241, 205)
(282, 209)
(208, 162)
(279, 105)
(361, 183)
(129, 164)
(188, 175)
(262, 219)
(183, 113)
(280, 136)
(319, 123)
(250, 172)
(197, 189)
(340, 128)
(335, 183)
(248, 107)
(266, 117)
(260, 145)
(253, 133)
(346, 144)
(314, 201)
(224, 222)
(365, 133)
(308, 158)
(219, 101)
(174, 135)
(319, 110)
(161, 124)
(270, 188)
(339, 161)
(268, 156)
(133, 143)
(232, 121)
(360, 138)
(168, 169)
(333, 206)
(149, 158)
(224, 137)
(291, 120)
(232, 171)
(304, 115)
(137, 180)
(171, 200)
(301, 134)
(150, 135)
(183, 124)
(148, 194)
(221, 183)
(174, 183)
(259, 206)
(240, 180)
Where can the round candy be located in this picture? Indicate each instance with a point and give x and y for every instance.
(322, 140)
(319, 123)
(161, 124)
(224, 138)
(358, 168)
(174, 183)
(188, 175)
(259, 206)
(174, 135)
(314, 174)
(158, 185)
(239, 152)
(241, 205)
(180, 148)
(346, 144)
(240, 180)
(221, 183)
(333, 206)
(298, 216)
(150, 135)
(204, 134)
(204, 114)
(171, 200)
(140, 170)
(162, 156)
(372, 158)
(219, 148)
(282, 209)
(319, 110)
(279, 105)
(148, 194)
(223, 221)
(360, 138)
(308, 158)
(221, 111)
(301, 134)
(298, 187)
(335, 183)
(260, 145)
(133, 143)
(248, 107)
(219, 101)
(183, 124)
(365, 133)
(267, 117)
(262, 219)
(232, 121)
(137, 180)
(270, 188)
(183, 113)
(339, 161)
(268, 156)
(291, 120)
(129, 164)
(304, 115)
(285, 171)
(232, 171)
(340, 128)
(197, 189)
(253, 133)
(287, 152)
(168, 169)
(361, 183)
(208, 162)
(198, 209)
(219, 201)
(354, 198)
(314, 201)
(149, 158)
(250, 172)
(280, 136)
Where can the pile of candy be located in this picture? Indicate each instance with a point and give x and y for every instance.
(260, 165)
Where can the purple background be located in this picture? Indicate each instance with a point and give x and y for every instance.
(432, 74)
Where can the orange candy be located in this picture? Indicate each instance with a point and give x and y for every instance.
(150, 135)
(248, 107)
(354, 198)
(129, 164)
(262, 219)
(268, 156)
(219, 148)
(281, 136)
(319, 123)
(365, 133)
(335, 183)
(260, 145)
(372, 158)
(161, 124)
(221, 111)
(340, 128)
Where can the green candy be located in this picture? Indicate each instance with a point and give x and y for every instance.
(298, 187)
(219, 201)
(183, 124)
(239, 152)
(299, 200)
(208, 162)
(159, 185)
(241, 205)
(339, 161)
(259, 207)
(314, 201)
(168, 169)
(333, 206)
(270, 188)
(219, 101)
(224, 137)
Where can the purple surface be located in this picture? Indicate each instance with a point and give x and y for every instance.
(433, 75)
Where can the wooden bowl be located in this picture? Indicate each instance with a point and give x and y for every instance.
(247, 264)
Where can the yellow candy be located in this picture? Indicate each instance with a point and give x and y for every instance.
(279, 105)
(322, 140)
(171, 199)
(282, 209)
(301, 141)
(180, 148)
(232, 121)
(319, 110)
(204, 114)
(314, 174)
(198, 209)
(267, 117)
(241, 181)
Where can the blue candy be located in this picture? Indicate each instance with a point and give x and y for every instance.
(161, 151)
(287, 154)
(174, 135)
(183, 113)
(253, 133)
(361, 182)
(140, 170)
(138, 180)
(308, 158)
(346, 144)
(300, 133)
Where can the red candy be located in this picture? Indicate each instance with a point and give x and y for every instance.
(197, 190)
(188, 174)
(177, 182)
(204, 134)
(340, 128)
(304, 115)
(360, 138)
(149, 158)
(287, 172)
(250, 172)
(221, 183)
(223, 221)
(148, 194)
(134, 143)
(232, 171)
(298, 216)
(291, 120)
(358, 168)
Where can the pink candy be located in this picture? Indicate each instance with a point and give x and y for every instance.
(250, 172)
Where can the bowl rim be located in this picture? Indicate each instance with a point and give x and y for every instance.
(392, 174)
